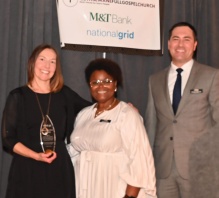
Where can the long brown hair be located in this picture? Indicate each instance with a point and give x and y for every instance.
(56, 82)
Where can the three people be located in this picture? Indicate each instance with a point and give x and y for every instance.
(173, 135)
(33, 172)
(109, 146)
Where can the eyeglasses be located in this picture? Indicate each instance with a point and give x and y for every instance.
(106, 82)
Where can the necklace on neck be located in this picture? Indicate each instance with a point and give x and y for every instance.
(47, 130)
(44, 117)
(100, 112)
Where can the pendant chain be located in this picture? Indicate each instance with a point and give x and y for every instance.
(47, 113)
(98, 113)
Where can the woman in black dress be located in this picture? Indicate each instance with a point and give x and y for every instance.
(44, 104)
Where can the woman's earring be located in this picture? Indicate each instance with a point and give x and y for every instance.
(115, 89)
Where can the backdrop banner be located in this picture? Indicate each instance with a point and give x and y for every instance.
(115, 23)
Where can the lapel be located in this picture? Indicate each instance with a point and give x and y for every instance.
(166, 91)
(190, 83)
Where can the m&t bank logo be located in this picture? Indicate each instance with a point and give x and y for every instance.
(99, 17)
(113, 18)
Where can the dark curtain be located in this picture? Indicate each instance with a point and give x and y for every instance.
(24, 24)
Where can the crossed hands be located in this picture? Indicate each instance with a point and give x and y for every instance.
(47, 157)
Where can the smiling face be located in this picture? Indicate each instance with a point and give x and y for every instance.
(103, 92)
(182, 45)
(45, 65)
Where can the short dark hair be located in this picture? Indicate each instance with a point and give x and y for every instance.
(180, 24)
(107, 65)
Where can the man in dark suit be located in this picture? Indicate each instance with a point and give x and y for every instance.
(183, 106)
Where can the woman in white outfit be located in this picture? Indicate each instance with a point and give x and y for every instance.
(109, 147)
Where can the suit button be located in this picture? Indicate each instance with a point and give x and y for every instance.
(174, 121)
(171, 138)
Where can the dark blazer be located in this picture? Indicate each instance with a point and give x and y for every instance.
(172, 136)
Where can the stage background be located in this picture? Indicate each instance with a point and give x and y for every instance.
(24, 24)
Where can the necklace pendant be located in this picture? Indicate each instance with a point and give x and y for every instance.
(47, 135)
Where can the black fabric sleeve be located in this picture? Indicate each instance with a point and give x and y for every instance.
(74, 100)
(75, 103)
(10, 120)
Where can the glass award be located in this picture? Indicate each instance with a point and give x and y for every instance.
(47, 135)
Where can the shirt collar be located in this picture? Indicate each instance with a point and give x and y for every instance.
(186, 67)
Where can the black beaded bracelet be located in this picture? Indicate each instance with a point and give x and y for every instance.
(126, 196)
